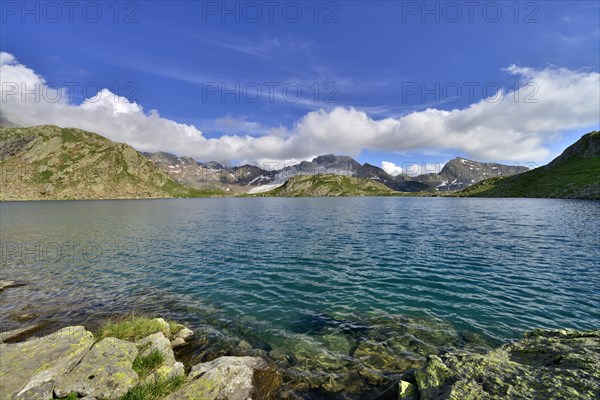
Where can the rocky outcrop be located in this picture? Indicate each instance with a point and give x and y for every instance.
(460, 173)
(30, 370)
(588, 146)
(105, 372)
(560, 364)
(68, 363)
(228, 378)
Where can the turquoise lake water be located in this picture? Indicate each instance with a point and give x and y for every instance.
(490, 267)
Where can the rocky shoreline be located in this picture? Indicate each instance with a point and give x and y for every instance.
(74, 363)
(408, 358)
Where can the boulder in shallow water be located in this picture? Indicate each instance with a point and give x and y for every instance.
(20, 332)
(182, 336)
(30, 369)
(105, 372)
(544, 365)
(4, 284)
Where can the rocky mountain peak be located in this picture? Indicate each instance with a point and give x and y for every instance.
(586, 147)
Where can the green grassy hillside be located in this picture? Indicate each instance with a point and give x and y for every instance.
(329, 186)
(50, 163)
(574, 174)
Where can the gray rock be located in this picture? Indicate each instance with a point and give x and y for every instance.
(560, 364)
(16, 333)
(105, 372)
(185, 334)
(165, 325)
(4, 284)
(158, 342)
(181, 337)
(224, 378)
(30, 369)
(177, 342)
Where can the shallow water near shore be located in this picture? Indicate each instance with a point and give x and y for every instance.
(358, 288)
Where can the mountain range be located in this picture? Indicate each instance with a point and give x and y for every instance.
(49, 162)
(457, 174)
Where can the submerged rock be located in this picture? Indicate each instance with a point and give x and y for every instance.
(228, 378)
(544, 365)
(30, 369)
(4, 284)
(19, 332)
(105, 372)
(407, 391)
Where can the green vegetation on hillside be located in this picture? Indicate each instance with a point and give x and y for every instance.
(329, 186)
(575, 174)
(52, 163)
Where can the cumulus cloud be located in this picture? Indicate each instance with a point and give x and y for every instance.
(511, 126)
(391, 168)
(411, 168)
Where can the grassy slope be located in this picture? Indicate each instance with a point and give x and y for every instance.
(48, 162)
(575, 178)
(329, 186)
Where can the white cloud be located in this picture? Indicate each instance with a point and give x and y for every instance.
(507, 129)
(411, 168)
(391, 168)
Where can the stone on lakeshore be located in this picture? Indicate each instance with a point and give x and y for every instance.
(544, 365)
(224, 378)
(16, 333)
(4, 284)
(177, 342)
(24, 317)
(166, 328)
(105, 372)
(182, 336)
(158, 342)
(30, 369)
(407, 391)
(184, 333)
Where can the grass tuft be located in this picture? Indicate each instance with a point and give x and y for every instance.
(175, 327)
(131, 328)
(155, 389)
(144, 365)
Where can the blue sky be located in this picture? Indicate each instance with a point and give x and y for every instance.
(377, 57)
